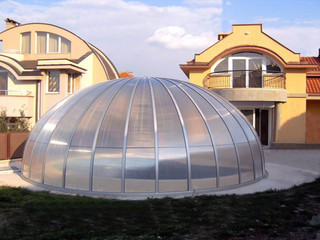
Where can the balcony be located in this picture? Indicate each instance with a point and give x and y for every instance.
(15, 100)
(245, 85)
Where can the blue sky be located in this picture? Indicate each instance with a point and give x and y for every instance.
(152, 37)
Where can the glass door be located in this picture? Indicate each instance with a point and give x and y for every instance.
(239, 73)
(255, 73)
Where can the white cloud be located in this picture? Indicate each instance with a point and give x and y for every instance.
(175, 37)
(121, 28)
(265, 20)
(299, 39)
(203, 2)
(148, 40)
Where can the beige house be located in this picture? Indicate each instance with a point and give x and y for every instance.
(40, 64)
(276, 88)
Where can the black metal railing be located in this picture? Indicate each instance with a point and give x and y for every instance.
(245, 79)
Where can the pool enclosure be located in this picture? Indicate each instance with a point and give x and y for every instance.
(143, 137)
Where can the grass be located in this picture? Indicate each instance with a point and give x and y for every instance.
(269, 215)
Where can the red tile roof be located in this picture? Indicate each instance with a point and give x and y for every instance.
(313, 86)
(126, 75)
(312, 60)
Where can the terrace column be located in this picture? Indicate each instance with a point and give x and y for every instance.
(278, 120)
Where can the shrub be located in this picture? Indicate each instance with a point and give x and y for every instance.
(13, 124)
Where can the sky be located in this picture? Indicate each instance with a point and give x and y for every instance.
(152, 37)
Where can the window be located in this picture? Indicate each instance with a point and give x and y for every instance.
(246, 69)
(52, 43)
(70, 83)
(26, 43)
(41, 42)
(53, 82)
(65, 45)
(3, 81)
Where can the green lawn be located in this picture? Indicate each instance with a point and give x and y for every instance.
(270, 215)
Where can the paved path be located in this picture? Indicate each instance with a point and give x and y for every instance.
(286, 168)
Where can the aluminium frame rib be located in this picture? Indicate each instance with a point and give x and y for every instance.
(125, 137)
(155, 128)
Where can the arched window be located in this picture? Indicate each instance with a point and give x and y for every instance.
(52, 43)
(246, 68)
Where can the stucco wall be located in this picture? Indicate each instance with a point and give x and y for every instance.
(247, 35)
(293, 121)
(313, 121)
(50, 99)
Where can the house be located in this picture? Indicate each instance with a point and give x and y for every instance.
(276, 88)
(40, 64)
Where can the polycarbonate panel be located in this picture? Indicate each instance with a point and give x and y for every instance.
(58, 146)
(173, 170)
(140, 170)
(111, 132)
(141, 129)
(246, 163)
(197, 131)
(228, 166)
(258, 162)
(78, 168)
(253, 139)
(87, 127)
(218, 128)
(168, 123)
(35, 133)
(203, 167)
(107, 170)
(53, 172)
(38, 153)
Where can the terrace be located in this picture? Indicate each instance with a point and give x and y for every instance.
(241, 85)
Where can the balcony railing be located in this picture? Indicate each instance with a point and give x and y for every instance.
(245, 79)
(15, 92)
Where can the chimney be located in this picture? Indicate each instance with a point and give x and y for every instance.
(222, 35)
(319, 53)
(10, 23)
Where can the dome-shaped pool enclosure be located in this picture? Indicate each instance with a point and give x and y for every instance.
(143, 137)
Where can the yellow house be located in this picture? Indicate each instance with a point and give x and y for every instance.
(263, 79)
(40, 64)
